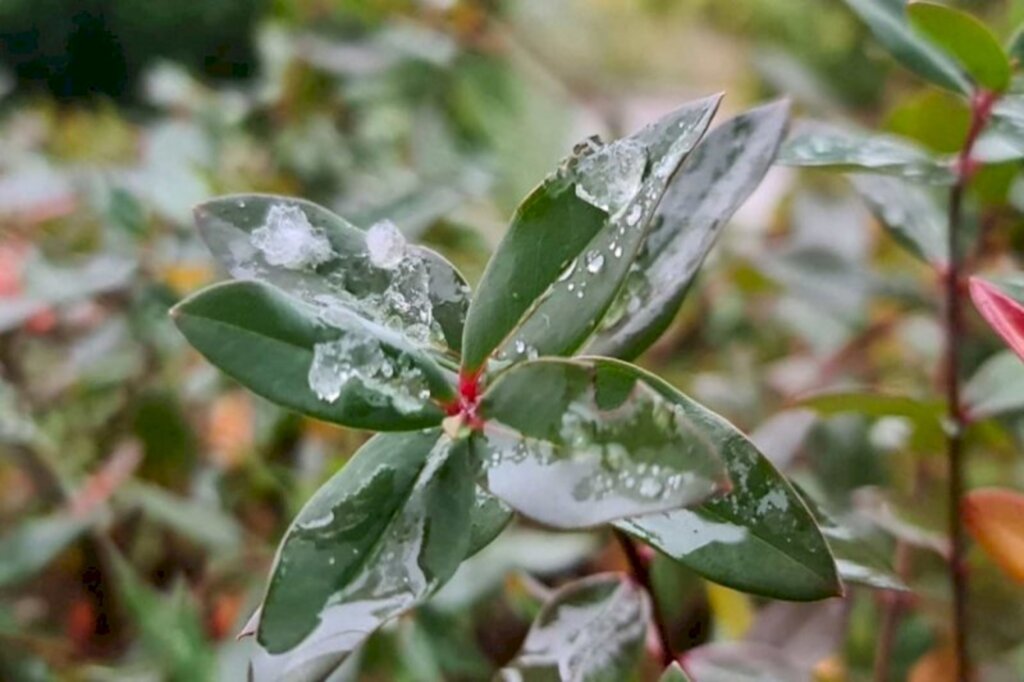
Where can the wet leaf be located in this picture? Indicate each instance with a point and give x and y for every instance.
(577, 443)
(34, 543)
(966, 38)
(995, 518)
(490, 517)
(818, 145)
(888, 22)
(572, 240)
(334, 266)
(352, 372)
(1002, 310)
(996, 388)
(711, 185)
(379, 537)
(759, 538)
(591, 630)
(909, 213)
(857, 560)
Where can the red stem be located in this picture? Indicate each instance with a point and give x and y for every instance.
(642, 574)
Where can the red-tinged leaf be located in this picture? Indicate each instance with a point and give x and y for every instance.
(1004, 313)
(995, 518)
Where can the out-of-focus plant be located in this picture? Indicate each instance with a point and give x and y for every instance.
(921, 196)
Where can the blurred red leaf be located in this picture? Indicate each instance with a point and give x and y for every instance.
(995, 518)
(1004, 313)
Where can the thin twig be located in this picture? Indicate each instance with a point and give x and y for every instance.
(642, 575)
(981, 108)
(895, 603)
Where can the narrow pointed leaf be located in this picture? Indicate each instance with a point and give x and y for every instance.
(577, 443)
(995, 518)
(352, 372)
(910, 214)
(674, 673)
(966, 38)
(997, 387)
(331, 264)
(759, 538)
(888, 22)
(379, 537)
(1002, 310)
(490, 517)
(711, 185)
(34, 543)
(572, 240)
(818, 145)
(591, 630)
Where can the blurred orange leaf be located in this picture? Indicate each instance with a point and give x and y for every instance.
(938, 665)
(1004, 313)
(995, 518)
(230, 429)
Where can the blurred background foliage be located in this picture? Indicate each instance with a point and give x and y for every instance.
(142, 494)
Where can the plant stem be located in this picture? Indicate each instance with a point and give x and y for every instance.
(895, 603)
(641, 573)
(981, 108)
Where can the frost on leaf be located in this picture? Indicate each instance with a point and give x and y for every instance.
(288, 239)
(357, 358)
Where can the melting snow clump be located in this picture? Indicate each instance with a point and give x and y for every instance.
(355, 357)
(386, 245)
(611, 176)
(288, 239)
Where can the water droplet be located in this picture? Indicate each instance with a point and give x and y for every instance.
(595, 261)
(611, 176)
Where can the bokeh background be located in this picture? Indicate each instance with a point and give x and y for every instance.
(142, 493)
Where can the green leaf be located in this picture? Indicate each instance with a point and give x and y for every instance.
(925, 415)
(572, 240)
(577, 443)
(193, 519)
(379, 537)
(817, 145)
(759, 538)
(674, 673)
(34, 543)
(857, 560)
(909, 213)
(996, 388)
(967, 39)
(887, 21)
(351, 372)
(591, 630)
(490, 517)
(169, 625)
(328, 263)
(712, 183)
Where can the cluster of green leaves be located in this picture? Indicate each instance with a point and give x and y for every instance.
(364, 330)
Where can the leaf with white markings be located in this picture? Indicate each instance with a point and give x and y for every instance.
(576, 443)
(910, 214)
(711, 184)
(363, 551)
(592, 630)
(572, 241)
(351, 371)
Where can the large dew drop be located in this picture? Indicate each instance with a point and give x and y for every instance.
(288, 239)
(610, 177)
(358, 358)
(385, 244)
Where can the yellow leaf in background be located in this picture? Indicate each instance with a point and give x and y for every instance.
(732, 610)
(938, 665)
(230, 429)
(831, 669)
(995, 518)
(185, 278)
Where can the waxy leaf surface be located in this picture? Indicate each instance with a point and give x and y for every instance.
(1002, 310)
(571, 242)
(591, 630)
(331, 264)
(713, 182)
(379, 537)
(577, 443)
(352, 372)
